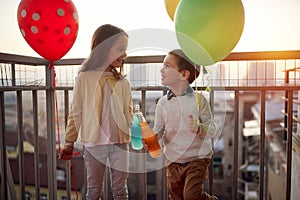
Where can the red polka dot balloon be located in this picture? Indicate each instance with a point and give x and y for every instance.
(50, 27)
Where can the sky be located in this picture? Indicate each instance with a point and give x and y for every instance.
(270, 25)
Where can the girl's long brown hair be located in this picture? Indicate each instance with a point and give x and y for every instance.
(103, 39)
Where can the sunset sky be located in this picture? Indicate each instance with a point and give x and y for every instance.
(269, 24)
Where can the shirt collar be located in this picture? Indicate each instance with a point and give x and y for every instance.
(189, 91)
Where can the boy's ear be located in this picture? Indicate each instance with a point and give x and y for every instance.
(185, 74)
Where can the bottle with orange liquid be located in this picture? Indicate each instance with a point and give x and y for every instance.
(149, 138)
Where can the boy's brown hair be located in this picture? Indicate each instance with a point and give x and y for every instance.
(184, 63)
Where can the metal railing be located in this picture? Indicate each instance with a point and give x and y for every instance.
(227, 76)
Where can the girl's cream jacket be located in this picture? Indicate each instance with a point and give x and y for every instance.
(85, 113)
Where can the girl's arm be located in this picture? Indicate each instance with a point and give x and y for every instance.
(128, 104)
(74, 118)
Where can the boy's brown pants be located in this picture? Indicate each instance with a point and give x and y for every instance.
(186, 180)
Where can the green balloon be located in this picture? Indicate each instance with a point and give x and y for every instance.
(208, 30)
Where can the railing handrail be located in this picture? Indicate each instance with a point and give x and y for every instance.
(234, 56)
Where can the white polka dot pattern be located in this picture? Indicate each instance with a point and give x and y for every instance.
(35, 16)
(60, 12)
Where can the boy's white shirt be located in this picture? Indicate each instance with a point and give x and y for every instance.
(171, 116)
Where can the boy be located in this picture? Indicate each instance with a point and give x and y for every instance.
(186, 126)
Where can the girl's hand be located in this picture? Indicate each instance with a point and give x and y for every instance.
(67, 152)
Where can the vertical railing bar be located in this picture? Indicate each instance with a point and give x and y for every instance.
(262, 144)
(211, 166)
(220, 69)
(20, 142)
(295, 72)
(84, 187)
(1, 73)
(144, 167)
(275, 76)
(12, 193)
(165, 189)
(266, 78)
(6, 79)
(229, 72)
(3, 157)
(266, 172)
(256, 74)
(287, 76)
(235, 145)
(36, 144)
(13, 74)
(143, 93)
(51, 142)
(238, 74)
(106, 183)
(6, 175)
(289, 144)
(68, 163)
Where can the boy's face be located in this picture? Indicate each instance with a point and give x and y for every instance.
(170, 74)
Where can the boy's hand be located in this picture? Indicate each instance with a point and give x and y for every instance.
(67, 152)
(145, 145)
(193, 124)
(196, 127)
(202, 132)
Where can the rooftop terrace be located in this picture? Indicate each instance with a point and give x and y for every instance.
(243, 87)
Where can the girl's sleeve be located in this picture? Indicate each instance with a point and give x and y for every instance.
(128, 104)
(206, 117)
(75, 114)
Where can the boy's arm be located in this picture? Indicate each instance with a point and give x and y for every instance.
(159, 124)
(207, 126)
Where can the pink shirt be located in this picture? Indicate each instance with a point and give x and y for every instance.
(108, 129)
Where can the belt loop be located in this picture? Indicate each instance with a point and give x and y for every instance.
(184, 164)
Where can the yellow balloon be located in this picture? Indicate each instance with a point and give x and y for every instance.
(171, 6)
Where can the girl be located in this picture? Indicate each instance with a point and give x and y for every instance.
(101, 113)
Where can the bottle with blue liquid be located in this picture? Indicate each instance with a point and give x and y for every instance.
(136, 131)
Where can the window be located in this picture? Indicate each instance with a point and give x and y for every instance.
(60, 175)
(44, 196)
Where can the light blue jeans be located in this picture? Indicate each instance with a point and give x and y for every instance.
(115, 157)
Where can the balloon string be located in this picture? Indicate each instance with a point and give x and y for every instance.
(196, 88)
(56, 107)
(51, 65)
(58, 131)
